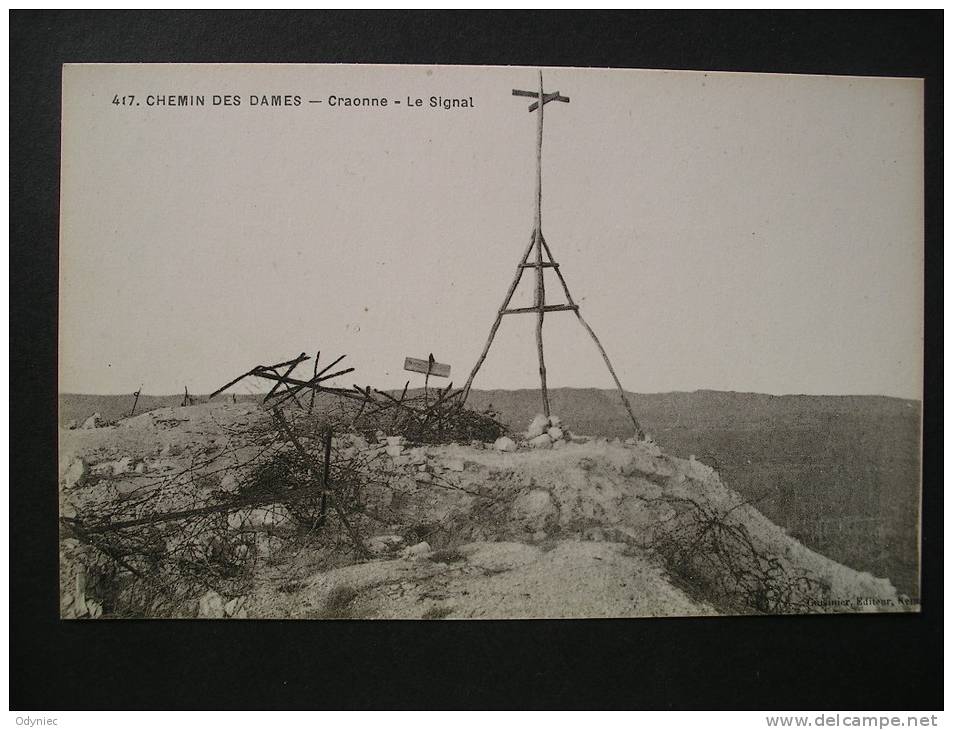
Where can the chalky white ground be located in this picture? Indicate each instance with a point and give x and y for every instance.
(561, 531)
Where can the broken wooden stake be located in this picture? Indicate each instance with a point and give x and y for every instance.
(135, 402)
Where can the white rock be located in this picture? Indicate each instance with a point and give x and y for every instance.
(383, 543)
(455, 465)
(537, 426)
(418, 456)
(423, 477)
(94, 421)
(113, 468)
(394, 450)
(274, 515)
(504, 443)
(559, 444)
(229, 482)
(541, 442)
(140, 468)
(171, 450)
(211, 605)
(395, 440)
(555, 421)
(75, 473)
(535, 510)
(121, 466)
(555, 433)
(235, 608)
(421, 548)
(79, 602)
(358, 441)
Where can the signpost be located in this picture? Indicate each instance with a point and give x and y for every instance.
(428, 367)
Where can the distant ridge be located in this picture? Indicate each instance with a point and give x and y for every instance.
(593, 411)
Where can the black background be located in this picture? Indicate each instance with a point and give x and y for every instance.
(814, 662)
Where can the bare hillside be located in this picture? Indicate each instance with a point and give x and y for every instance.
(841, 473)
(583, 527)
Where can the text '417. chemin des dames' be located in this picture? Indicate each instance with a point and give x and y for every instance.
(336, 101)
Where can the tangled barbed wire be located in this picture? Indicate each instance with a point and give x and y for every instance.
(713, 555)
(209, 525)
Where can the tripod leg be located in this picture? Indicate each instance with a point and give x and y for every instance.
(499, 318)
(639, 433)
(540, 303)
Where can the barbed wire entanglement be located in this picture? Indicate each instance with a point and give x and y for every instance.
(297, 478)
(713, 555)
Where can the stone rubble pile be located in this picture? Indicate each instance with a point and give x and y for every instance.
(542, 433)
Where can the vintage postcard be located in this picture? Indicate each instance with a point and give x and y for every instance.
(377, 342)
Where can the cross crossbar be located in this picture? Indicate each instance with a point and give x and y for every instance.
(554, 96)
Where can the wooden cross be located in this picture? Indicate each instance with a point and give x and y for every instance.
(538, 108)
(538, 243)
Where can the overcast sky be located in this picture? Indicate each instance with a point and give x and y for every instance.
(726, 231)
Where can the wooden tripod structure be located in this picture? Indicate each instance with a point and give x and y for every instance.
(543, 259)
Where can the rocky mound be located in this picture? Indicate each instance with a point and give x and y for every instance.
(585, 528)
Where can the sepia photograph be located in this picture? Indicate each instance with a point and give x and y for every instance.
(488, 342)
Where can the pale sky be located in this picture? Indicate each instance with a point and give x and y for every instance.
(747, 232)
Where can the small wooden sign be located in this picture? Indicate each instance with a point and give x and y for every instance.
(427, 367)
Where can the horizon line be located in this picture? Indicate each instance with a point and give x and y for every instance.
(532, 390)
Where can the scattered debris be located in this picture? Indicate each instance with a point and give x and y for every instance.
(541, 442)
(418, 419)
(211, 605)
(75, 474)
(94, 421)
(418, 550)
(504, 443)
(536, 511)
(537, 426)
